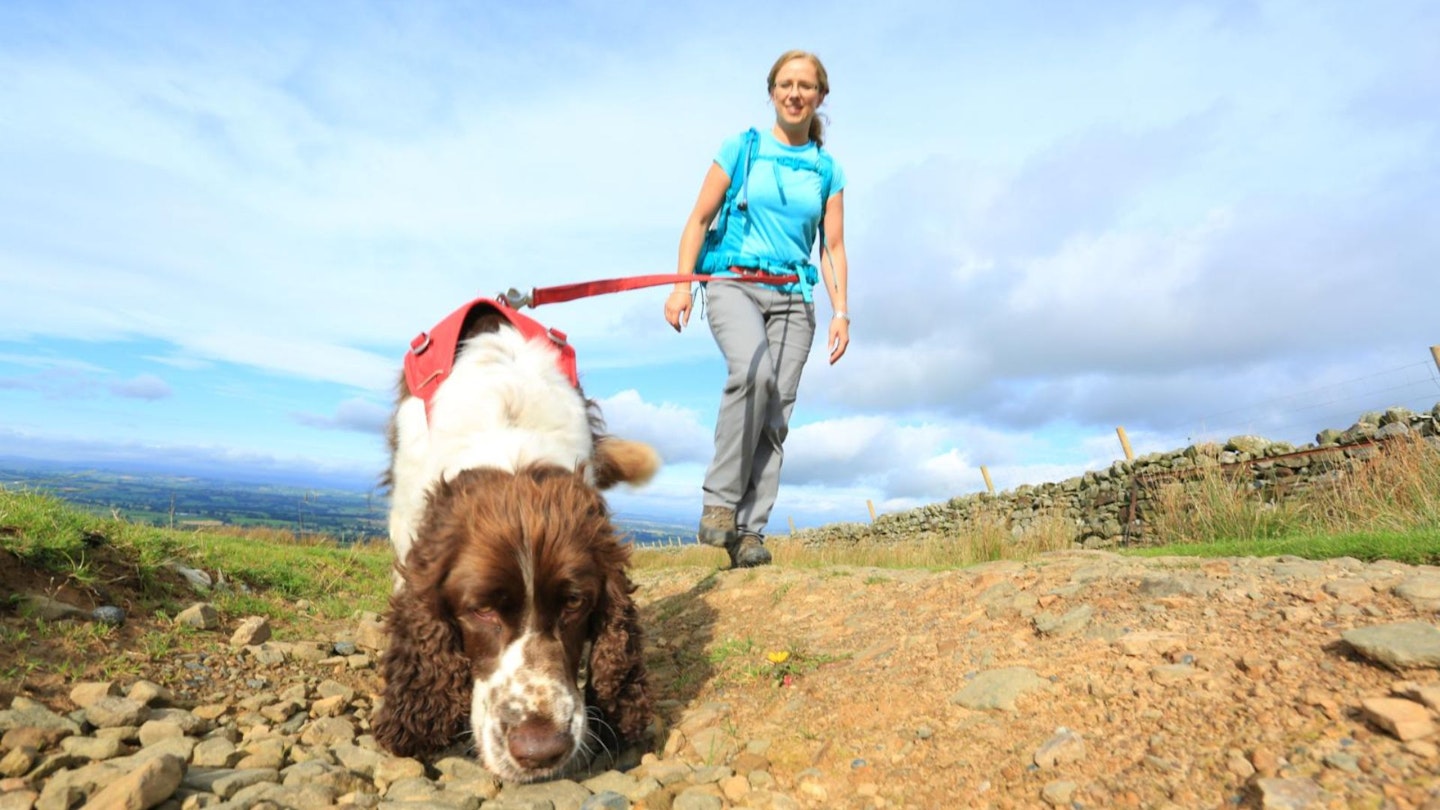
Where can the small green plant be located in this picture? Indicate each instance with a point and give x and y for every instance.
(731, 649)
(165, 641)
(779, 595)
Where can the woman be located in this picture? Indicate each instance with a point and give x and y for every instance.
(786, 191)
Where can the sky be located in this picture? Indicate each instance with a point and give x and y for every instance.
(222, 223)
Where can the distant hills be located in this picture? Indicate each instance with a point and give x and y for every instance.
(185, 501)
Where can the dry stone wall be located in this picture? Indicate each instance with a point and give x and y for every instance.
(1107, 507)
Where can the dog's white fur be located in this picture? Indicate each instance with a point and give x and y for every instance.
(506, 404)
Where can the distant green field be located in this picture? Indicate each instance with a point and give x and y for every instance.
(181, 502)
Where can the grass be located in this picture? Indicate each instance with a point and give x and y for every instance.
(1413, 548)
(992, 541)
(744, 660)
(68, 553)
(265, 570)
(1386, 506)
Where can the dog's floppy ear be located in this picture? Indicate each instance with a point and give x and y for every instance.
(623, 461)
(428, 684)
(618, 684)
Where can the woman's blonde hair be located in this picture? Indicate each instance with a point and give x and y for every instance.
(817, 127)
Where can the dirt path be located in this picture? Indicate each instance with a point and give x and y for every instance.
(1078, 680)
(1182, 683)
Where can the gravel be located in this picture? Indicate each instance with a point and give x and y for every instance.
(1078, 679)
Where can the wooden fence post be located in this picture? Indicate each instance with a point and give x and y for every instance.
(792, 524)
(1435, 353)
(989, 485)
(1125, 444)
(871, 504)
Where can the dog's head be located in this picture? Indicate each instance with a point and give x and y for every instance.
(513, 596)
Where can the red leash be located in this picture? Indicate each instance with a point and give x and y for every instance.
(560, 293)
(432, 354)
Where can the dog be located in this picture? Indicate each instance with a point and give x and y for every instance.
(511, 617)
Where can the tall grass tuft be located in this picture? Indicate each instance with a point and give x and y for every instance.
(1395, 489)
(989, 540)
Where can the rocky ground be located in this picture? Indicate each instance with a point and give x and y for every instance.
(1078, 679)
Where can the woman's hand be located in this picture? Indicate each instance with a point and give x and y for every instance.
(839, 339)
(677, 309)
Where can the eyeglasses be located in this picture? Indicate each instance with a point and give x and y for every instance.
(789, 86)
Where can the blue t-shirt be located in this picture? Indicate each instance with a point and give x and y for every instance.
(777, 229)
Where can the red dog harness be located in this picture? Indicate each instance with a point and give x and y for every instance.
(432, 354)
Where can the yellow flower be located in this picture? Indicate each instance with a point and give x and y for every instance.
(779, 656)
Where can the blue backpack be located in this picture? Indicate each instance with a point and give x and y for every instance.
(735, 196)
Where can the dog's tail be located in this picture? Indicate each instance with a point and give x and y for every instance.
(622, 461)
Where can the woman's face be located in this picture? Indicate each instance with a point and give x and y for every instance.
(796, 93)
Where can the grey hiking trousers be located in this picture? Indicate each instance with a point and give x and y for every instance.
(765, 336)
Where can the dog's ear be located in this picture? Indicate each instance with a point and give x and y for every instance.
(618, 684)
(623, 461)
(428, 684)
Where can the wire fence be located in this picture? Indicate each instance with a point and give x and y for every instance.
(1297, 416)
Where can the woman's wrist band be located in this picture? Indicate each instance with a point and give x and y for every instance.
(842, 315)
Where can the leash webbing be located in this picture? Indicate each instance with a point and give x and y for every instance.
(560, 293)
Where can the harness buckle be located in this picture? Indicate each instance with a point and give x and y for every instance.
(420, 343)
(515, 299)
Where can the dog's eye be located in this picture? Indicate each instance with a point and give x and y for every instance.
(486, 615)
(575, 603)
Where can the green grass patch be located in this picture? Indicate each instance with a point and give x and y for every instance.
(263, 568)
(1419, 547)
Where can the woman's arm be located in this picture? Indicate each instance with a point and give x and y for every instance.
(836, 273)
(707, 205)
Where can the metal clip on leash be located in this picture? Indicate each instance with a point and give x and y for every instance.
(516, 299)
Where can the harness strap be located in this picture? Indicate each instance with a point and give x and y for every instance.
(432, 354)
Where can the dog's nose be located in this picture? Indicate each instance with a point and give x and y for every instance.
(537, 743)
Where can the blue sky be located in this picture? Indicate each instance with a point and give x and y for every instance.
(221, 223)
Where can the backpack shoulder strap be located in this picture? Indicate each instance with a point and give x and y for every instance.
(748, 147)
(825, 165)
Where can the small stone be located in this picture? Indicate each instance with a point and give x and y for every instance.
(201, 616)
(1149, 642)
(146, 786)
(252, 631)
(87, 694)
(112, 712)
(17, 762)
(1289, 794)
(92, 748)
(1063, 748)
(1264, 761)
(1058, 793)
(1402, 719)
(1404, 645)
(149, 693)
(108, 615)
(998, 689)
(606, 800)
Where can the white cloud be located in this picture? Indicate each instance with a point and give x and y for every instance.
(359, 415)
(145, 386)
(675, 433)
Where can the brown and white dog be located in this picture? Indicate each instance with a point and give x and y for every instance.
(512, 616)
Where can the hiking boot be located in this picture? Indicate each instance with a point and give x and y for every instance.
(748, 551)
(717, 527)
